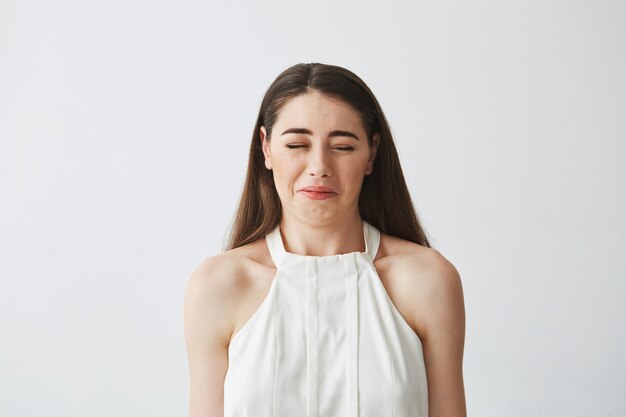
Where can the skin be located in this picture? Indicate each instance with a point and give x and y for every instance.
(226, 289)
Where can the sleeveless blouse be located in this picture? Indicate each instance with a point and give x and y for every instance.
(326, 341)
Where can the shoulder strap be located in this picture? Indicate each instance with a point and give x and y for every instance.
(372, 239)
(275, 246)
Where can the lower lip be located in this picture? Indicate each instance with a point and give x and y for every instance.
(315, 195)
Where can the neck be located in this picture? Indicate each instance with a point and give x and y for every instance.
(314, 239)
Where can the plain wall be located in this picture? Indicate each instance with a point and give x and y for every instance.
(124, 135)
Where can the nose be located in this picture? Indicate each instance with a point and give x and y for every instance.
(319, 163)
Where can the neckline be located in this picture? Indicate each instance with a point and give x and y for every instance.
(276, 246)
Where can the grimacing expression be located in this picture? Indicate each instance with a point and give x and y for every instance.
(318, 140)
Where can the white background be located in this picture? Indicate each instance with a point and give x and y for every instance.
(124, 136)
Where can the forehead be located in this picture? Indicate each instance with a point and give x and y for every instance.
(316, 111)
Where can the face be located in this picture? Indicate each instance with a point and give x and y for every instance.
(318, 141)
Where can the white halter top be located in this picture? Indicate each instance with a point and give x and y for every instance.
(326, 342)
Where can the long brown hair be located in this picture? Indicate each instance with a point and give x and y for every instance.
(384, 201)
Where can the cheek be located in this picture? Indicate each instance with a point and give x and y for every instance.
(288, 163)
(355, 170)
(286, 170)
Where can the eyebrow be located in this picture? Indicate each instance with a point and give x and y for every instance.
(331, 134)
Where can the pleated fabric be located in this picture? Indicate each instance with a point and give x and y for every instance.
(327, 341)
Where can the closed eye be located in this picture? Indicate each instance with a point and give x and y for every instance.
(341, 148)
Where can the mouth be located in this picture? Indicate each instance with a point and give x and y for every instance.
(318, 195)
(318, 189)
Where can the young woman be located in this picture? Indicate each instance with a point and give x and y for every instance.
(329, 300)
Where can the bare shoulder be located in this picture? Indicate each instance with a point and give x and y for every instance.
(426, 281)
(211, 300)
(430, 288)
(211, 292)
(421, 265)
(229, 285)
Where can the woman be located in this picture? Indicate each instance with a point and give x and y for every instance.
(329, 300)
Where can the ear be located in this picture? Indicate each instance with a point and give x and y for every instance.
(373, 150)
(265, 146)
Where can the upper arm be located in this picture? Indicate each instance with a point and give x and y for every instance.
(440, 321)
(208, 326)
